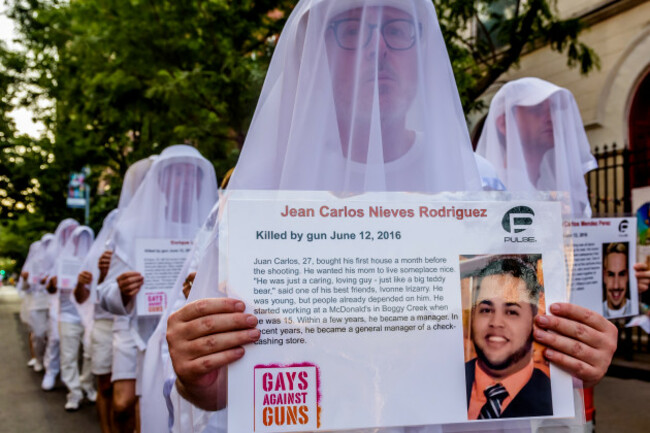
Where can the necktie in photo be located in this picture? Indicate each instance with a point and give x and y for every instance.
(495, 395)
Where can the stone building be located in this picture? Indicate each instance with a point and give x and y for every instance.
(615, 100)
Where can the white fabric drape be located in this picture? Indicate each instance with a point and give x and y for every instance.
(535, 139)
(360, 96)
(158, 369)
(172, 201)
(76, 248)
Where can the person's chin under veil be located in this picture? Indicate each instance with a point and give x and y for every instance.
(535, 139)
(359, 96)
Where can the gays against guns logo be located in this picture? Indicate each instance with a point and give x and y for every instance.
(287, 397)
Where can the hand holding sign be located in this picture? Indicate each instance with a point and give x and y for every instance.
(582, 343)
(642, 274)
(129, 284)
(103, 264)
(203, 337)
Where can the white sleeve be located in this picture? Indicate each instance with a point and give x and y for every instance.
(108, 292)
(185, 417)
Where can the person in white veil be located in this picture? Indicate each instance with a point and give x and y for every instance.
(360, 96)
(51, 359)
(172, 202)
(535, 139)
(26, 295)
(30, 281)
(71, 329)
(158, 374)
(113, 348)
(97, 322)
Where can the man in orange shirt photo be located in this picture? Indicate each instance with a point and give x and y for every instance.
(502, 381)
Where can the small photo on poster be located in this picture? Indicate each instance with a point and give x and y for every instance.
(505, 371)
(617, 300)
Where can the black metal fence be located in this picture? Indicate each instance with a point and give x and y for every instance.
(619, 170)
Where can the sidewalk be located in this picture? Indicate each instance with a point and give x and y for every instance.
(24, 407)
(621, 404)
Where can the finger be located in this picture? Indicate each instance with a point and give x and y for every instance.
(218, 323)
(582, 315)
(127, 275)
(216, 343)
(197, 368)
(575, 367)
(208, 306)
(569, 346)
(570, 328)
(639, 267)
(132, 289)
(128, 281)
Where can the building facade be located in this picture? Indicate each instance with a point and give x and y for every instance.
(615, 100)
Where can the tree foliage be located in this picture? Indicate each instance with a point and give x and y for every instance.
(486, 38)
(114, 81)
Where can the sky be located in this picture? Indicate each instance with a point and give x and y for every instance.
(22, 117)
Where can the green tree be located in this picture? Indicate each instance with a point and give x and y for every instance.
(486, 38)
(114, 81)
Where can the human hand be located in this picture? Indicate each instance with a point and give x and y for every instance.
(84, 277)
(129, 284)
(642, 274)
(24, 275)
(51, 285)
(582, 342)
(187, 284)
(103, 264)
(203, 337)
(81, 292)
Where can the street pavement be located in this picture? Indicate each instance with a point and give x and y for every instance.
(24, 407)
(621, 404)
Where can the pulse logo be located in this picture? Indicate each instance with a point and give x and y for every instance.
(518, 220)
(623, 226)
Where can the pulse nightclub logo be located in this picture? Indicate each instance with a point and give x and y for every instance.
(623, 226)
(518, 220)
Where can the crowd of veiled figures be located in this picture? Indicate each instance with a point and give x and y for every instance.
(359, 96)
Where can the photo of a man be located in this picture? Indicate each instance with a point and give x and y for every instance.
(503, 380)
(616, 292)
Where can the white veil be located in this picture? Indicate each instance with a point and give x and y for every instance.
(158, 371)
(172, 201)
(27, 267)
(99, 245)
(385, 117)
(87, 309)
(62, 234)
(42, 261)
(78, 245)
(373, 119)
(30, 260)
(133, 177)
(534, 137)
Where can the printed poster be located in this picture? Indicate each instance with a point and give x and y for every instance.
(159, 261)
(603, 273)
(389, 309)
(67, 273)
